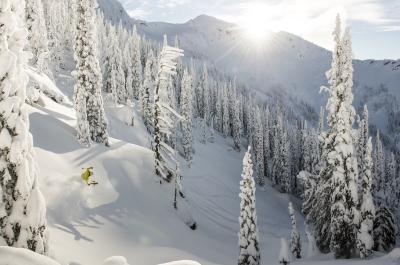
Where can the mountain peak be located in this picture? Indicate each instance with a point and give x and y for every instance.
(206, 19)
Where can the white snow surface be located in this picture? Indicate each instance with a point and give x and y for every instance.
(115, 260)
(21, 256)
(130, 214)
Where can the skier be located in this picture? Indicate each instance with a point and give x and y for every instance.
(86, 175)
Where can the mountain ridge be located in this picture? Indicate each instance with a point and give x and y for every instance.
(282, 65)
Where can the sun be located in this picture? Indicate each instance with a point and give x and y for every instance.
(257, 31)
(256, 25)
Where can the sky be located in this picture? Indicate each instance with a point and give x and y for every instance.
(375, 24)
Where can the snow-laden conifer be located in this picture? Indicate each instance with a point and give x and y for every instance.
(306, 148)
(186, 112)
(237, 128)
(211, 138)
(344, 215)
(309, 200)
(266, 132)
(57, 37)
(88, 101)
(136, 64)
(147, 92)
(284, 253)
(378, 192)
(203, 102)
(38, 42)
(314, 152)
(276, 160)
(335, 209)
(295, 245)
(163, 111)
(259, 148)
(367, 211)
(249, 118)
(203, 131)
(225, 113)
(361, 146)
(127, 96)
(193, 74)
(115, 66)
(22, 205)
(312, 246)
(249, 251)
(102, 44)
(294, 143)
(286, 176)
(385, 229)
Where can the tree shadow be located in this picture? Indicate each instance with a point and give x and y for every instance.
(48, 130)
(70, 228)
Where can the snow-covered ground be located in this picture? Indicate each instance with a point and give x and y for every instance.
(130, 214)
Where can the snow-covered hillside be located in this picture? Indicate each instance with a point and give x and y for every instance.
(281, 64)
(130, 214)
(86, 116)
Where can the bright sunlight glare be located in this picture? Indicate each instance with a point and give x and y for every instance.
(256, 25)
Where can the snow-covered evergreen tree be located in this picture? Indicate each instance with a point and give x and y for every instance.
(203, 96)
(286, 176)
(22, 205)
(115, 66)
(266, 132)
(249, 251)
(225, 113)
(249, 119)
(147, 92)
(367, 211)
(295, 245)
(305, 148)
(314, 152)
(284, 253)
(38, 42)
(276, 160)
(211, 138)
(275, 165)
(335, 227)
(57, 37)
(312, 246)
(259, 148)
(344, 215)
(136, 63)
(237, 129)
(127, 94)
(88, 101)
(179, 74)
(379, 173)
(186, 112)
(309, 199)
(203, 131)
(385, 229)
(294, 144)
(163, 111)
(361, 145)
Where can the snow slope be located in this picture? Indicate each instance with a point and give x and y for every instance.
(130, 214)
(280, 66)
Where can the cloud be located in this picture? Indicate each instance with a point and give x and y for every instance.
(389, 28)
(138, 13)
(313, 19)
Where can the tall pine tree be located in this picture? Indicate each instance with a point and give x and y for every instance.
(249, 251)
(88, 101)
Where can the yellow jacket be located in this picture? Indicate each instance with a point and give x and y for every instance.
(86, 175)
